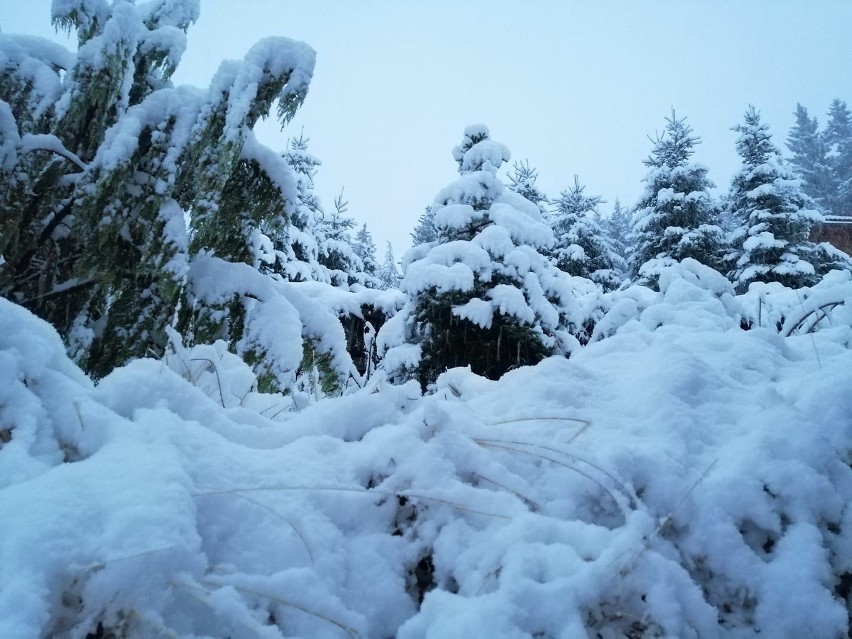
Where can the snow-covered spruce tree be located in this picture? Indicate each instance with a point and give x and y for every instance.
(776, 216)
(676, 217)
(425, 231)
(332, 230)
(388, 274)
(364, 247)
(810, 160)
(296, 250)
(522, 181)
(581, 246)
(838, 139)
(482, 295)
(617, 228)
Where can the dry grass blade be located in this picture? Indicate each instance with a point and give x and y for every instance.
(586, 423)
(362, 491)
(207, 588)
(531, 504)
(100, 565)
(665, 521)
(491, 444)
(248, 591)
(282, 518)
(215, 370)
(622, 488)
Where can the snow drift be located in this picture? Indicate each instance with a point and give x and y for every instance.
(680, 477)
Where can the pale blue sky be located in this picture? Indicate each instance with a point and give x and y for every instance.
(576, 87)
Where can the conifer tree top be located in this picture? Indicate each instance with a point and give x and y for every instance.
(478, 152)
(674, 146)
(754, 143)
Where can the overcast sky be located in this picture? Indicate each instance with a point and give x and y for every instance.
(575, 87)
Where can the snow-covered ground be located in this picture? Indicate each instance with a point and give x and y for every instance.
(680, 477)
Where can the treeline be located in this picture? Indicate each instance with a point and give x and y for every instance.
(137, 217)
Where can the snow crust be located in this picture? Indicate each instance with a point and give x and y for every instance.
(678, 477)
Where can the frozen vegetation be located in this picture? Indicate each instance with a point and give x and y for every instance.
(680, 478)
(221, 417)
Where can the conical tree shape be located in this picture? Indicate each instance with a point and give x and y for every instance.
(776, 215)
(676, 217)
(581, 247)
(482, 295)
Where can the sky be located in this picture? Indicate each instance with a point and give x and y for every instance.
(574, 87)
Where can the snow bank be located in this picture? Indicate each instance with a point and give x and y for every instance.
(680, 478)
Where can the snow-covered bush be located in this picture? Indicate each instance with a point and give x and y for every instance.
(681, 478)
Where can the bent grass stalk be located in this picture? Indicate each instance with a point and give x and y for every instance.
(586, 423)
(492, 444)
(510, 446)
(362, 491)
(530, 503)
(276, 514)
(665, 521)
(207, 588)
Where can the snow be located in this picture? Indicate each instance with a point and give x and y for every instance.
(678, 476)
(10, 140)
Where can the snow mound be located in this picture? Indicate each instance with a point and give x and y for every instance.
(682, 478)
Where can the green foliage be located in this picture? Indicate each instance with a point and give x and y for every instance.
(317, 371)
(582, 248)
(676, 217)
(482, 294)
(103, 161)
(776, 215)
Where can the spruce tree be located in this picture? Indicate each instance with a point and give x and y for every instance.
(810, 160)
(838, 139)
(388, 274)
(296, 250)
(676, 217)
(522, 181)
(776, 215)
(365, 249)
(93, 233)
(581, 247)
(425, 231)
(482, 295)
(617, 228)
(332, 230)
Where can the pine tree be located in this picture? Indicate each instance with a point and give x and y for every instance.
(365, 249)
(776, 214)
(838, 139)
(617, 227)
(296, 250)
(388, 274)
(425, 231)
(676, 217)
(581, 247)
(810, 160)
(522, 181)
(482, 295)
(334, 241)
